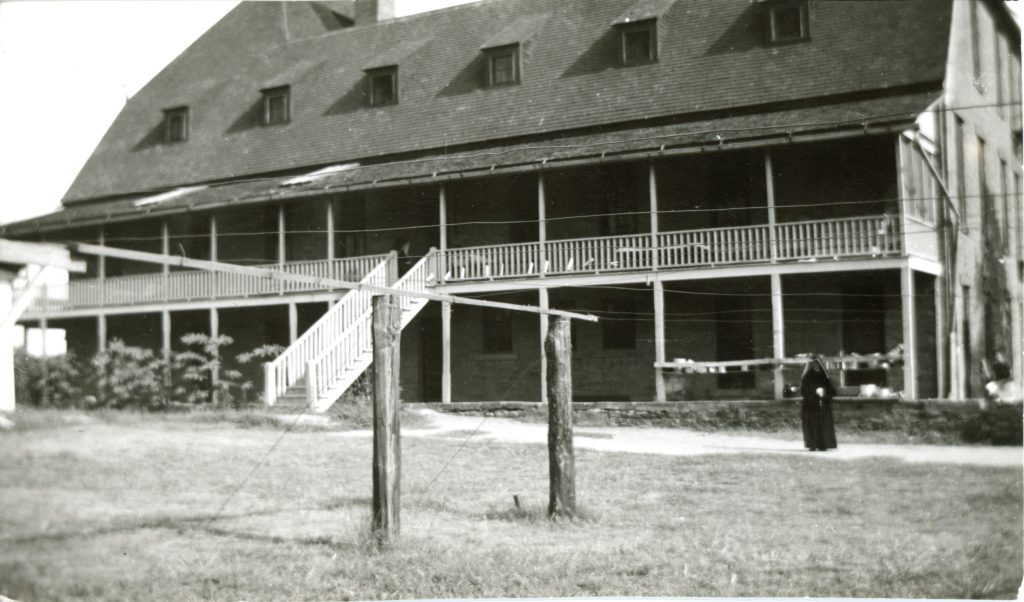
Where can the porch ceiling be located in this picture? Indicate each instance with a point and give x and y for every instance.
(761, 128)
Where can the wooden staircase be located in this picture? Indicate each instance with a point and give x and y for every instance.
(316, 370)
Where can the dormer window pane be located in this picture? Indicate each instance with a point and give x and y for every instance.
(276, 106)
(637, 46)
(639, 42)
(788, 22)
(503, 65)
(176, 124)
(383, 87)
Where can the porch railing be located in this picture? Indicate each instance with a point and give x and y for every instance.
(871, 236)
(290, 367)
(194, 285)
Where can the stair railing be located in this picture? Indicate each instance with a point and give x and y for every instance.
(289, 368)
(349, 350)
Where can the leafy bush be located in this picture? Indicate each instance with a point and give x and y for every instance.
(199, 371)
(130, 377)
(47, 381)
(261, 354)
(1000, 425)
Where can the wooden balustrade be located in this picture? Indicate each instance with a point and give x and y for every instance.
(349, 351)
(194, 285)
(872, 236)
(290, 367)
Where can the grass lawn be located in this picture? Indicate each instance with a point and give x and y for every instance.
(131, 509)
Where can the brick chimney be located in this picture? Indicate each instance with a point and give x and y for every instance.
(373, 11)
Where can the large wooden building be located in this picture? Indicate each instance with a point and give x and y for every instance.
(716, 180)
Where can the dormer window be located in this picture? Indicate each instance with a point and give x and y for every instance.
(383, 85)
(787, 22)
(176, 124)
(503, 65)
(276, 105)
(638, 29)
(639, 42)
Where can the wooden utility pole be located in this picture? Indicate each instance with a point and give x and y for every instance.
(387, 464)
(561, 458)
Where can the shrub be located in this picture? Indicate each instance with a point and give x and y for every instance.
(261, 354)
(47, 381)
(199, 370)
(1000, 425)
(130, 377)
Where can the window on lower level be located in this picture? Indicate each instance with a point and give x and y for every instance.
(276, 105)
(618, 324)
(497, 331)
(383, 85)
(176, 124)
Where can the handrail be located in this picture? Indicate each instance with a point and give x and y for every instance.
(194, 285)
(290, 367)
(344, 352)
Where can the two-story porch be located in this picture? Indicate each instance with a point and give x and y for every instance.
(849, 216)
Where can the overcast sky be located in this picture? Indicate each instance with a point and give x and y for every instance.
(66, 69)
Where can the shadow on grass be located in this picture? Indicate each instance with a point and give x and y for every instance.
(205, 523)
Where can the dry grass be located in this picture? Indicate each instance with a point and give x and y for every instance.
(129, 510)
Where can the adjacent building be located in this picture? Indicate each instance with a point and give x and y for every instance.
(716, 180)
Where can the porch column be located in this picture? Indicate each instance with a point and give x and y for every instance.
(330, 229)
(778, 336)
(909, 333)
(165, 332)
(544, 304)
(941, 336)
(165, 249)
(293, 322)
(446, 352)
(659, 339)
(213, 237)
(652, 186)
(280, 243)
(101, 269)
(7, 389)
(542, 230)
(214, 332)
(43, 328)
(769, 180)
(442, 217)
(101, 333)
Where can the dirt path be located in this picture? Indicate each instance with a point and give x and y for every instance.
(681, 442)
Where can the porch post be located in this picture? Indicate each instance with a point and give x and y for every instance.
(330, 229)
(652, 185)
(769, 180)
(941, 336)
(280, 243)
(542, 227)
(446, 352)
(442, 217)
(544, 304)
(101, 333)
(165, 248)
(909, 334)
(101, 269)
(214, 333)
(778, 335)
(165, 332)
(659, 339)
(293, 322)
(213, 237)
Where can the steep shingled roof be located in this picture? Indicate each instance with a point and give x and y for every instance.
(712, 58)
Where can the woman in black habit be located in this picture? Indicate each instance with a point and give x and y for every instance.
(816, 409)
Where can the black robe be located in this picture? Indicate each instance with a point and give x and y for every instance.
(816, 410)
